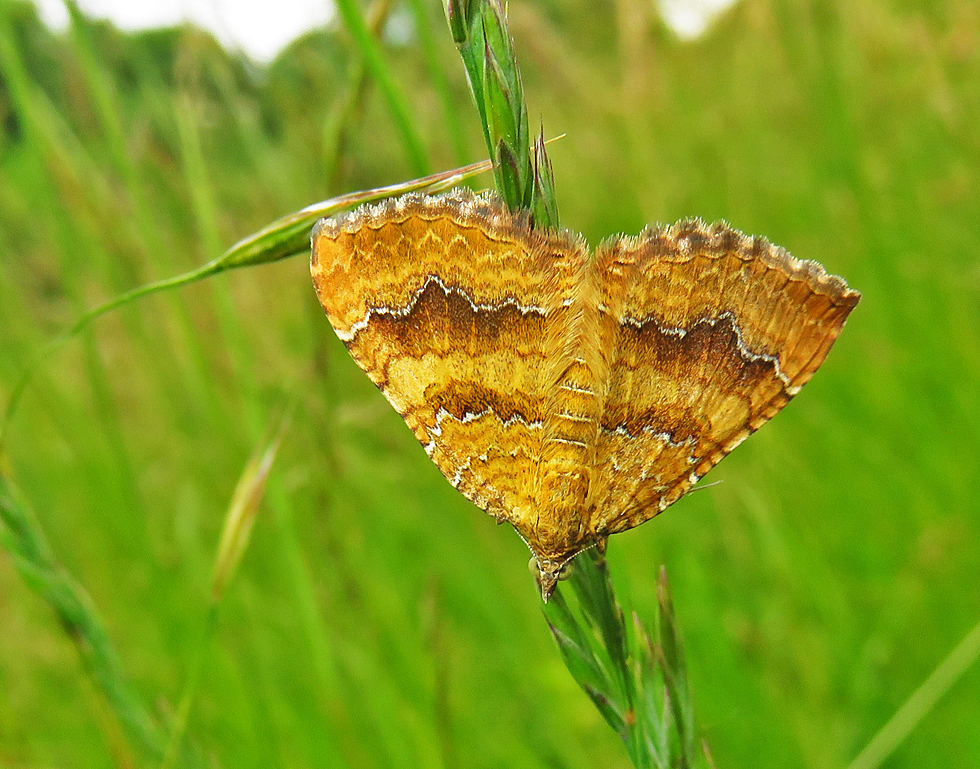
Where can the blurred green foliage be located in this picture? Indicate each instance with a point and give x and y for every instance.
(377, 618)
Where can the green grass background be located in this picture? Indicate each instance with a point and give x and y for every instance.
(378, 619)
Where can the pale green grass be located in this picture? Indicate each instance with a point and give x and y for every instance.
(377, 619)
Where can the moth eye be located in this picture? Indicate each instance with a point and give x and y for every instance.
(532, 566)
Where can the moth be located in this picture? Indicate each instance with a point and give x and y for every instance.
(574, 393)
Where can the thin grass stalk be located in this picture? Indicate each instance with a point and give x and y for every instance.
(344, 116)
(205, 218)
(144, 229)
(60, 152)
(64, 166)
(278, 174)
(358, 29)
(340, 122)
(108, 109)
(141, 229)
(450, 113)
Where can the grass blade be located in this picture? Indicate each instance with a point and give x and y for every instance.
(640, 688)
(922, 701)
(479, 29)
(21, 535)
(244, 507)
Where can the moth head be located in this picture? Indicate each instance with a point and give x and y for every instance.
(547, 573)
